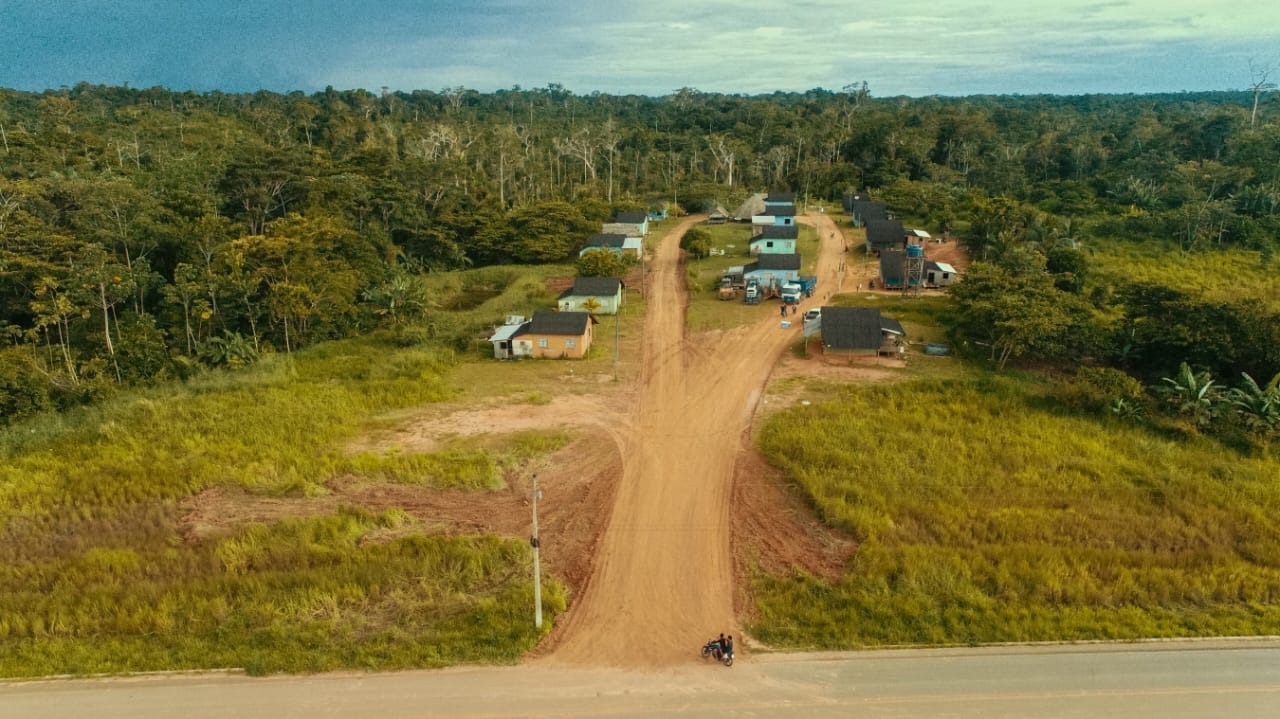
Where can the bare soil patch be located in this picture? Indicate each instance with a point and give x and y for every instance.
(659, 507)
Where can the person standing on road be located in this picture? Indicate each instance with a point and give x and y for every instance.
(784, 310)
(721, 644)
(728, 646)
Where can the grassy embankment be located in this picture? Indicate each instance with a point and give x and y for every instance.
(987, 510)
(97, 576)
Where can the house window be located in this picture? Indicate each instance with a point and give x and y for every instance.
(544, 343)
(570, 344)
(769, 244)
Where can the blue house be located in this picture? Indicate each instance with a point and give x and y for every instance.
(772, 270)
(779, 199)
(777, 215)
(637, 218)
(611, 242)
(774, 239)
(598, 295)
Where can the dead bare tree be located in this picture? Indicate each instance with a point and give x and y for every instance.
(724, 157)
(1259, 74)
(582, 146)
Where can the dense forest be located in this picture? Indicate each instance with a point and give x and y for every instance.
(146, 233)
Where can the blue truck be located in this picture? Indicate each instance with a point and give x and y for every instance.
(794, 291)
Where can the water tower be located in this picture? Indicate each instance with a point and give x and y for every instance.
(913, 276)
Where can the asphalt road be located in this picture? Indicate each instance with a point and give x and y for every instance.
(1216, 678)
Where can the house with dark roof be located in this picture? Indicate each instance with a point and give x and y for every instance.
(779, 215)
(777, 199)
(639, 219)
(597, 295)
(617, 243)
(885, 235)
(774, 239)
(633, 246)
(556, 335)
(772, 270)
(893, 269)
(860, 331)
(862, 209)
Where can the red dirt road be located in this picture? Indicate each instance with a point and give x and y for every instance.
(663, 578)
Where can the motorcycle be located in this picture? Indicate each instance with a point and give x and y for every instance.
(712, 649)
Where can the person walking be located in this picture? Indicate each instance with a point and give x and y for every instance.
(728, 646)
(783, 310)
(721, 644)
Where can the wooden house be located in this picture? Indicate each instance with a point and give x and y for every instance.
(597, 295)
(633, 245)
(778, 215)
(555, 335)
(775, 200)
(618, 244)
(885, 235)
(860, 331)
(637, 219)
(503, 339)
(772, 270)
(774, 240)
(938, 274)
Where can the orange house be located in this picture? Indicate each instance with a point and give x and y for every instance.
(556, 335)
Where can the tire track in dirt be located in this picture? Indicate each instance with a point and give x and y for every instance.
(663, 580)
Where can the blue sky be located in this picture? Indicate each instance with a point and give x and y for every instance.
(900, 47)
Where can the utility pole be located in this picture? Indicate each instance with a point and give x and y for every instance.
(537, 571)
(617, 322)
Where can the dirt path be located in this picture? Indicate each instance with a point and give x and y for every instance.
(663, 578)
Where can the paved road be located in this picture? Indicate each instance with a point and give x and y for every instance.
(1238, 680)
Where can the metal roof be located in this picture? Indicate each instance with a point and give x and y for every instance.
(775, 261)
(632, 217)
(606, 239)
(851, 328)
(881, 233)
(593, 287)
(546, 322)
(506, 332)
(777, 232)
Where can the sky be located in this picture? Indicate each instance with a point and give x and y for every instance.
(899, 47)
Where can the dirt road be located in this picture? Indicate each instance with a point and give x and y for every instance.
(663, 578)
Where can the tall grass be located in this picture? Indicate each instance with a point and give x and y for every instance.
(1219, 274)
(301, 595)
(96, 577)
(985, 512)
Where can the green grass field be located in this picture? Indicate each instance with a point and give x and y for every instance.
(96, 575)
(988, 512)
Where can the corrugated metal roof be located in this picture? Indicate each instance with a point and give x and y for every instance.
(777, 232)
(851, 328)
(558, 323)
(506, 332)
(593, 287)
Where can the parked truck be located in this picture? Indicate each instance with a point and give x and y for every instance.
(734, 276)
(797, 289)
(727, 291)
(751, 295)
